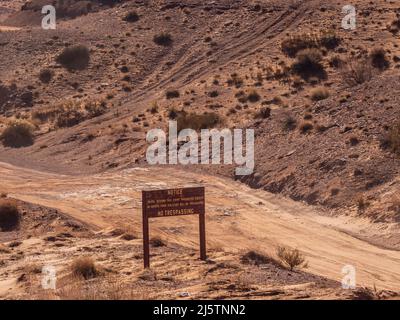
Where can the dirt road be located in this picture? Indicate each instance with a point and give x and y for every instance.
(238, 217)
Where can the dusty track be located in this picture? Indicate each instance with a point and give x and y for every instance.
(238, 217)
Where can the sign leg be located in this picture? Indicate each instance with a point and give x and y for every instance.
(202, 224)
(146, 244)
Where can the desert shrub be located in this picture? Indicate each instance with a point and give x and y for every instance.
(172, 94)
(128, 236)
(74, 58)
(45, 75)
(253, 96)
(235, 80)
(362, 203)
(10, 217)
(157, 242)
(319, 93)
(309, 64)
(291, 258)
(392, 139)
(294, 44)
(394, 26)
(289, 122)
(163, 39)
(131, 16)
(70, 113)
(305, 127)
(84, 267)
(356, 72)
(213, 94)
(18, 133)
(197, 121)
(256, 258)
(379, 59)
(263, 113)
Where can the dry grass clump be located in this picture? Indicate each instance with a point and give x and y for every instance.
(294, 44)
(291, 258)
(74, 57)
(289, 122)
(319, 93)
(10, 216)
(196, 121)
(163, 39)
(253, 96)
(85, 268)
(394, 26)
(17, 134)
(70, 112)
(309, 64)
(362, 203)
(235, 80)
(263, 113)
(355, 72)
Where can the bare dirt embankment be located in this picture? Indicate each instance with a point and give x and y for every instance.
(238, 219)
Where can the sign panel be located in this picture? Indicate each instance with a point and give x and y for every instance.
(169, 203)
(174, 202)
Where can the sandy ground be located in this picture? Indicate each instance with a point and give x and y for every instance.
(237, 218)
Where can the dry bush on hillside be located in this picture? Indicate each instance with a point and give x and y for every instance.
(74, 58)
(294, 44)
(197, 121)
(309, 64)
(256, 258)
(10, 217)
(45, 75)
(289, 122)
(292, 258)
(17, 134)
(70, 112)
(379, 59)
(355, 72)
(305, 127)
(319, 93)
(163, 39)
(85, 268)
(172, 94)
(131, 16)
(391, 140)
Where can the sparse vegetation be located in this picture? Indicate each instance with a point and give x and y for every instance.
(289, 122)
(157, 242)
(362, 203)
(291, 258)
(163, 39)
(70, 112)
(172, 94)
(45, 75)
(10, 217)
(253, 96)
(319, 93)
(355, 72)
(18, 133)
(263, 113)
(305, 127)
(131, 16)
(294, 44)
(84, 267)
(74, 58)
(379, 59)
(256, 258)
(391, 140)
(309, 64)
(197, 122)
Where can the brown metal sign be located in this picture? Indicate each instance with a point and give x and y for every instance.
(173, 202)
